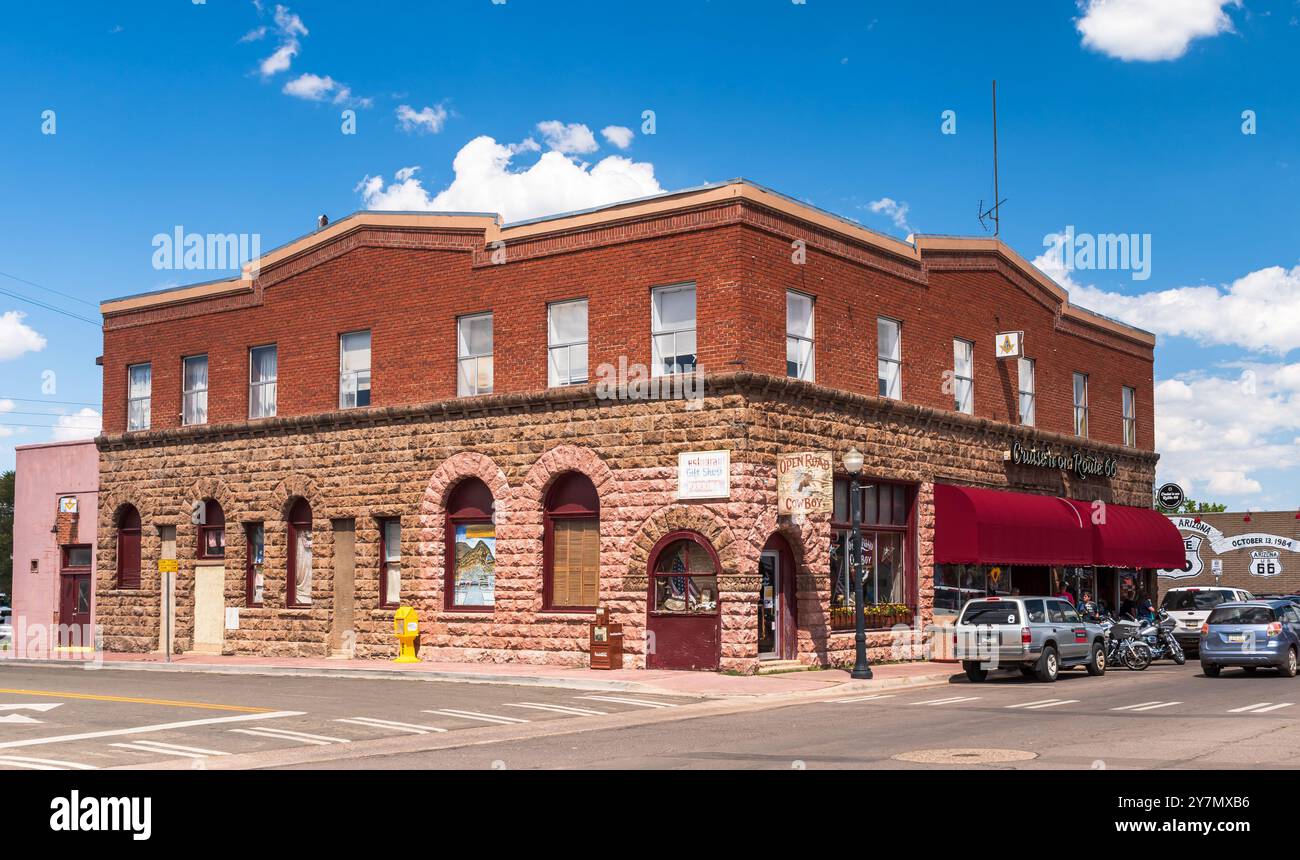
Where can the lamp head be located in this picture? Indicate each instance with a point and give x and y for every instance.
(853, 461)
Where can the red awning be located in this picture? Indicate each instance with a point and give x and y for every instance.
(974, 526)
(1124, 536)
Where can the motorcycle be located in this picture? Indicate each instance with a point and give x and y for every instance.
(1159, 635)
(1124, 645)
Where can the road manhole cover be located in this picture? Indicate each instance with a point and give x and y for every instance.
(965, 756)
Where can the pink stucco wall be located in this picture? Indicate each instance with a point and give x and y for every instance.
(43, 474)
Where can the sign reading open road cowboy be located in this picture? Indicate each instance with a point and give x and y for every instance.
(804, 483)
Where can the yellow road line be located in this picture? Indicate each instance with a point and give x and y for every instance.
(127, 699)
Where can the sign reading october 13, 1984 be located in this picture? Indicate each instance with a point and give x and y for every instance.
(804, 483)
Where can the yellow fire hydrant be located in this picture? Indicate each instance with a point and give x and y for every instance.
(406, 627)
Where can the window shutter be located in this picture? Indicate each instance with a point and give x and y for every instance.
(575, 571)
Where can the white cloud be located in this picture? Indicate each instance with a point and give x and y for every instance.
(618, 135)
(316, 88)
(255, 35)
(289, 27)
(427, 119)
(1259, 312)
(573, 138)
(895, 210)
(485, 182)
(16, 337)
(1150, 30)
(85, 423)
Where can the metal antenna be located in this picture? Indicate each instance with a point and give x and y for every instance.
(993, 213)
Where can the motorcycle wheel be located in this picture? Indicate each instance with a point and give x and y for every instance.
(1138, 657)
(1179, 657)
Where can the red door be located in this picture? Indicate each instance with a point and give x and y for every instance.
(74, 610)
(684, 626)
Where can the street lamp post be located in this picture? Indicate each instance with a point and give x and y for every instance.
(853, 465)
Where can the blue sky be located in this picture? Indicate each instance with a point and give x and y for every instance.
(1117, 117)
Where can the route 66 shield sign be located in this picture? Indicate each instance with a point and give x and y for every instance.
(1192, 566)
(1265, 563)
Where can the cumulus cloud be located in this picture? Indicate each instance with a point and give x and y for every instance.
(316, 88)
(16, 337)
(618, 135)
(1259, 312)
(288, 27)
(1150, 30)
(428, 119)
(571, 138)
(894, 209)
(85, 423)
(485, 180)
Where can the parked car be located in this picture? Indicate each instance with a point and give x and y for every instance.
(1040, 636)
(6, 625)
(1191, 605)
(1293, 598)
(1251, 634)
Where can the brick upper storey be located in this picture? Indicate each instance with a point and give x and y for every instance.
(408, 278)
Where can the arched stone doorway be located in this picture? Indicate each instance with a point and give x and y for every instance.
(778, 612)
(684, 621)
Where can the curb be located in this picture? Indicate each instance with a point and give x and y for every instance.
(613, 686)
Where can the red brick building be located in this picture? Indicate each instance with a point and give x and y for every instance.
(470, 418)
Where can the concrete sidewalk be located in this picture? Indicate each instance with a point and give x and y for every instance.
(699, 684)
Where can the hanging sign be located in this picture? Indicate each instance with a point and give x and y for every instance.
(1265, 562)
(704, 475)
(1170, 497)
(1010, 344)
(67, 505)
(804, 483)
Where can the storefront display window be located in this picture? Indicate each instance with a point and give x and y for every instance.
(885, 539)
(954, 584)
(686, 581)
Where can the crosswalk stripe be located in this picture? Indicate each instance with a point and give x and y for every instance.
(293, 733)
(1052, 704)
(261, 734)
(157, 751)
(1155, 706)
(1033, 703)
(950, 701)
(376, 723)
(645, 703)
(169, 746)
(1260, 708)
(864, 699)
(1138, 705)
(44, 763)
(559, 709)
(475, 715)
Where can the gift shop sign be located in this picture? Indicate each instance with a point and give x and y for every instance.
(1080, 463)
(704, 475)
(804, 483)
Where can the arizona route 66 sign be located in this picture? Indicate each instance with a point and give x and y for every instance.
(1265, 562)
(1192, 566)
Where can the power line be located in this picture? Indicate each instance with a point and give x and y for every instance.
(47, 289)
(22, 298)
(43, 400)
(46, 414)
(50, 426)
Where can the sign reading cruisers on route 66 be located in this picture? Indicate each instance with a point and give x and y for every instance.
(804, 483)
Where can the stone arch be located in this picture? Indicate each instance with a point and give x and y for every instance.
(465, 464)
(110, 509)
(678, 517)
(295, 486)
(557, 461)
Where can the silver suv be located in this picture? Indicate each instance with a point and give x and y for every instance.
(1039, 635)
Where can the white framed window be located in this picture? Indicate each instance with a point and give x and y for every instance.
(474, 355)
(672, 329)
(262, 373)
(354, 369)
(1025, 374)
(1080, 404)
(889, 357)
(194, 390)
(391, 562)
(566, 343)
(1130, 416)
(139, 396)
(963, 376)
(800, 354)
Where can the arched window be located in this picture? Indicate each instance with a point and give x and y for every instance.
(212, 531)
(571, 577)
(471, 548)
(128, 547)
(298, 526)
(685, 577)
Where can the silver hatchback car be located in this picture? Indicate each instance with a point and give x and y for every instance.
(1038, 635)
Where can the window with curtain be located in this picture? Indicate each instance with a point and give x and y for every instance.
(1025, 375)
(139, 396)
(128, 547)
(354, 369)
(672, 330)
(194, 394)
(889, 358)
(685, 579)
(572, 552)
(1130, 416)
(212, 531)
(474, 355)
(262, 371)
(299, 568)
(1081, 404)
(390, 563)
(963, 372)
(254, 564)
(566, 341)
(800, 355)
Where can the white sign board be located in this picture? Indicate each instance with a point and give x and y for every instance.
(704, 475)
(1010, 344)
(232, 617)
(1265, 562)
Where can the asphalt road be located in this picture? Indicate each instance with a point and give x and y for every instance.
(1166, 717)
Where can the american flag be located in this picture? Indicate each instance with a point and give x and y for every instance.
(681, 585)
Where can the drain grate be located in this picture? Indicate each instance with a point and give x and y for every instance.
(965, 756)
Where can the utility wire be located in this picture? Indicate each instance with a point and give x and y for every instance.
(95, 323)
(47, 289)
(43, 400)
